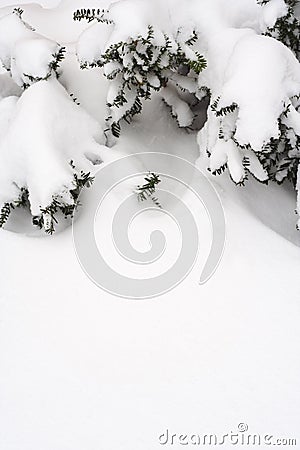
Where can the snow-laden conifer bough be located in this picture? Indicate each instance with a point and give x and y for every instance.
(241, 56)
(48, 143)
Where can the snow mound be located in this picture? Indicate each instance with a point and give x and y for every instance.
(8, 87)
(27, 55)
(40, 134)
(141, 52)
(259, 75)
(254, 83)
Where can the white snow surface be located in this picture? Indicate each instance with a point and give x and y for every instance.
(39, 158)
(24, 52)
(43, 3)
(257, 73)
(81, 369)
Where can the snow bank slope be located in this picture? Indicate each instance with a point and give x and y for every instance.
(81, 369)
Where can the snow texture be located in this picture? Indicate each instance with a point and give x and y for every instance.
(113, 28)
(256, 73)
(260, 76)
(43, 3)
(81, 369)
(24, 52)
(55, 131)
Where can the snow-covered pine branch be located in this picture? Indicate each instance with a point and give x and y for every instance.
(48, 143)
(48, 147)
(25, 54)
(141, 51)
(249, 103)
(287, 28)
(242, 55)
(253, 121)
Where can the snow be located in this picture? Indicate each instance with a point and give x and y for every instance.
(266, 60)
(292, 120)
(258, 75)
(99, 38)
(24, 52)
(47, 145)
(81, 369)
(8, 87)
(11, 31)
(78, 364)
(179, 108)
(268, 66)
(233, 51)
(272, 11)
(93, 42)
(44, 3)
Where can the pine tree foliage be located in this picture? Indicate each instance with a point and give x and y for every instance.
(287, 28)
(146, 61)
(148, 189)
(139, 66)
(47, 101)
(53, 68)
(25, 40)
(278, 158)
(19, 13)
(49, 216)
(92, 14)
(281, 156)
(7, 208)
(5, 213)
